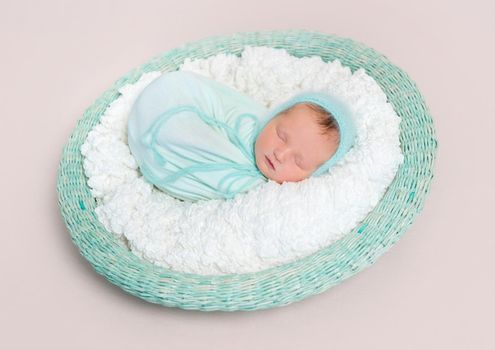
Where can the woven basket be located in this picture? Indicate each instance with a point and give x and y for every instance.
(287, 283)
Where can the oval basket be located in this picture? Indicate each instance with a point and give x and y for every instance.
(283, 284)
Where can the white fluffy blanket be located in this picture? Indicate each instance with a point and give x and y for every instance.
(271, 224)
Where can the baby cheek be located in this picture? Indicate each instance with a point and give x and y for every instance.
(266, 144)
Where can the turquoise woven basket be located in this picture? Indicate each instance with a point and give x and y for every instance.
(284, 284)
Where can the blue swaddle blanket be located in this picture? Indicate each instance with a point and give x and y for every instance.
(194, 137)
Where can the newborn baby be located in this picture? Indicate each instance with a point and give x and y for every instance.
(197, 139)
(296, 142)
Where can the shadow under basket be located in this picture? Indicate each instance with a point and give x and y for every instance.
(283, 284)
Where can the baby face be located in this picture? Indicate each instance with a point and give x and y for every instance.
(290, 147)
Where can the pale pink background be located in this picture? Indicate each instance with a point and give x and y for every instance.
(433, 290)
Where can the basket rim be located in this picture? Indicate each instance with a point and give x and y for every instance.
(275, 286)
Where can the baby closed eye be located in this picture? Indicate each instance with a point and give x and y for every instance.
(298, 160)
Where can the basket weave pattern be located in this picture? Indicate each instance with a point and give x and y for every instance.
(287, 283)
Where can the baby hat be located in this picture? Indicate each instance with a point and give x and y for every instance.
(338, 109)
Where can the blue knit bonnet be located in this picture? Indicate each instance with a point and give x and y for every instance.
(337, 108)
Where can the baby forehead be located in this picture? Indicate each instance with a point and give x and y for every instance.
(305, 132)
(299, 116)
(305, 111)
(308, 125)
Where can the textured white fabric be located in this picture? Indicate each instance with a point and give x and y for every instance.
(271, 224)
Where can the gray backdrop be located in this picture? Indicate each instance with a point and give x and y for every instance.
(433, 290)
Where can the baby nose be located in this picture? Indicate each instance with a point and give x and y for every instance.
(282, 153)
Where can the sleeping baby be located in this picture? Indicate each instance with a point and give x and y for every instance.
(197, 139)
